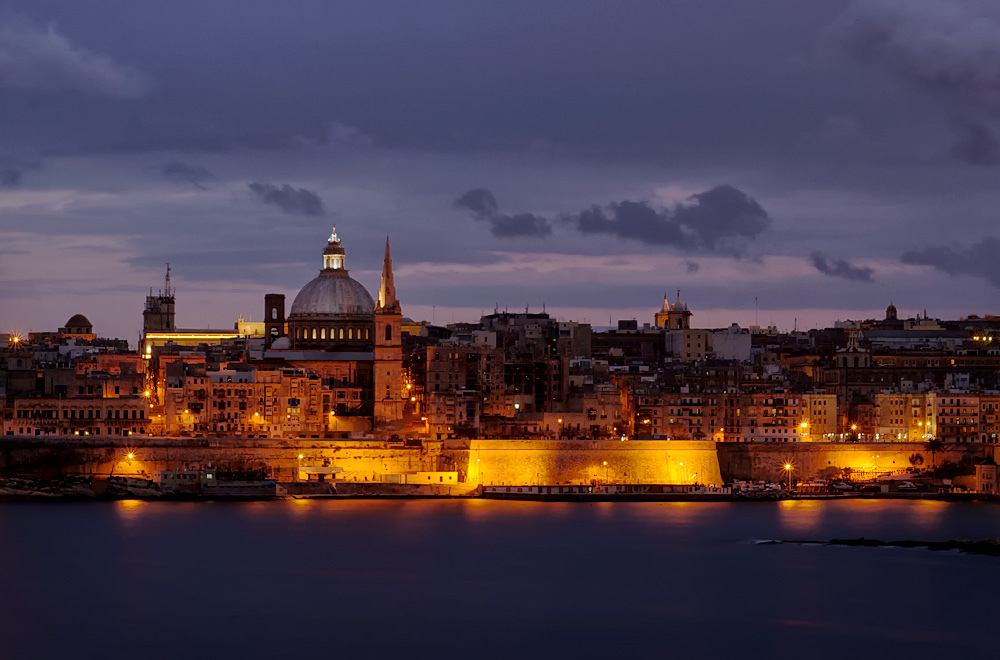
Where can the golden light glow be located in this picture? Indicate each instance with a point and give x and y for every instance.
(788, 466)
(301, 456)
(146, 393)
(131, 456)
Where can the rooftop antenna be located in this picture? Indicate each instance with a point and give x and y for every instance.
(756, 311)
(166, 290)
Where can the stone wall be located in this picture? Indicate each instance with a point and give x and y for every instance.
(817, 460)
(362, 460)
(500, 462)
(528, 462)
(509, 462)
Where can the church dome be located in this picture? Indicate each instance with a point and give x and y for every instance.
(79, 321)
(333, 294)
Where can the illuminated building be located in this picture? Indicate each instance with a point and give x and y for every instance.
(159, 328)
(338, 332)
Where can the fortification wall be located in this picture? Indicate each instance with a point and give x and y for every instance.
(526, 462)
(509, 462)
(500, 462)
(817, 460)
(362, 460)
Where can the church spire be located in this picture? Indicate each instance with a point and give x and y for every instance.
(387, 290)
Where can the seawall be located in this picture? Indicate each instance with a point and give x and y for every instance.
(499, 462)
(526, 462)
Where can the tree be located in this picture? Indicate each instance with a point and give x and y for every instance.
(916, 460)
(933, 446)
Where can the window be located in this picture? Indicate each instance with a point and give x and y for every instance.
(274, 313)
(388, 332)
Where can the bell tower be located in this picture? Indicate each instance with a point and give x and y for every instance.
(158, 316)
(388, 347)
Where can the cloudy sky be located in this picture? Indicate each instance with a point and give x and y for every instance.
(778, 161)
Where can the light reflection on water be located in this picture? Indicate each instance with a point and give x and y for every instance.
(494, 579)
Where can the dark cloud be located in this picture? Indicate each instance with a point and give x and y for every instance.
(978, 260)
(179, 172)
(40, 60)
(483, 205)
(295, 201)
(692, 266)
(841, 268)
(715, 220)
(478, 200)
(976, 144)
(938, 46)
(522, 224)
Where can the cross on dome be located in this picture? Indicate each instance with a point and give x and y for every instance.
(333, 236)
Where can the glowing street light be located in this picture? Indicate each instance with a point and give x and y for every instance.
(788, 471)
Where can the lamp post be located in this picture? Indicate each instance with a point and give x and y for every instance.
(605, 472)
(788, 471)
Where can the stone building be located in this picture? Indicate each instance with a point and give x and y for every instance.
(337, 331)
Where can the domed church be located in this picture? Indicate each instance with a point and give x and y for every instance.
(335, 329)
(333, 311)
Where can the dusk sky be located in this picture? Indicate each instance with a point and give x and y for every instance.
(824, 158)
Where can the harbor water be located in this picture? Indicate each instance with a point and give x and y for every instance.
(492, 579)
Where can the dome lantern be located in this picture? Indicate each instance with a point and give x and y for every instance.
(334, 254)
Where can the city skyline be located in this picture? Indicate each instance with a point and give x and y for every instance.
(778, 163)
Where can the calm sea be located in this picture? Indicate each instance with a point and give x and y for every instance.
(483, 579)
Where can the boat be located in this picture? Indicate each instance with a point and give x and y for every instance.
(212, 483)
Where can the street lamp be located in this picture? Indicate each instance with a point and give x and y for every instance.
(605, 470)
(788, 471)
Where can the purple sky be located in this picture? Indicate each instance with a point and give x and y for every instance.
(821, 158)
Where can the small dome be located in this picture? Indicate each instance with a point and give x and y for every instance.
(890, 312)
(281, 343)
(333, 293)
(79, 321)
